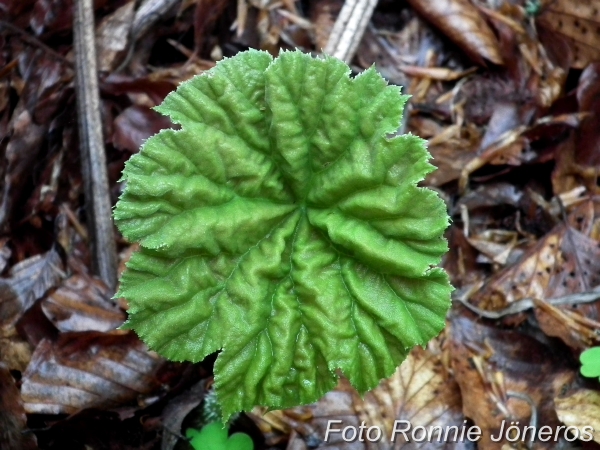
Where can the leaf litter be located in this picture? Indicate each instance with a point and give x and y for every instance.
(516, 146)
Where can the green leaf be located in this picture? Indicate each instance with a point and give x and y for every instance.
(283, 226)
(590, 362)
(212, 437)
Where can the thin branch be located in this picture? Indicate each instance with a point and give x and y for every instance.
(93, 158)
(349, 28)
(32, 40)
(527, 303)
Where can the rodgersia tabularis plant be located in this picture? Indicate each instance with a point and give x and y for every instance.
(283, 226)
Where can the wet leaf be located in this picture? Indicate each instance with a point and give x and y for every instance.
(421, 393)
(462, 22)
(89, 369)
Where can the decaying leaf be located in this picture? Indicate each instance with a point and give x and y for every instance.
(88, 369)
(82, 304)
(505, 375)
(13, 421)
(578, 23)
(136, 124)
(580, 408)
(565, 261)
(462, 22)
(28, 281)
(112, 36)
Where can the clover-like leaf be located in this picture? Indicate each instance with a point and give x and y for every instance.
(590, 362)
(283, 226)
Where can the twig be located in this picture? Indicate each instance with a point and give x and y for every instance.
(32, 40)
(527, 303)
(93, 159)
(349, 28)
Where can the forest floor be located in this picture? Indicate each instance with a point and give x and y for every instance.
(507, 94)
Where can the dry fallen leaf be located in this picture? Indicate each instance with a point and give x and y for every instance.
(565, 261)
(112, 36)
(578, 23)
(505, 375)
(580, 409)
(81, 304)
(463, 23)
(28, 281)
(89, 369)
(12, 416)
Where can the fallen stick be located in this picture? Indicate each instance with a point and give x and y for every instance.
(93, 158)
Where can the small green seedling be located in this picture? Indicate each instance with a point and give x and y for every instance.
(590, 362)
(215, 437)
(282, 225)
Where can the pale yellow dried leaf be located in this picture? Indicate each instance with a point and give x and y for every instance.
(580, 409)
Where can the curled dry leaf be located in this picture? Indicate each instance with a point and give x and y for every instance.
(28, 281)
(90, 369)
(580, 408)
(81, 304)
(112, 36)
(464, 24)
(495, 245)
(491, 364)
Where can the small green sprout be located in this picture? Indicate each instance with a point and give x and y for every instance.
(283, 226)
(590, 362)
(215, 437)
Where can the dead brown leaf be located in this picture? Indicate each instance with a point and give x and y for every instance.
(112, 37)
(464, 24)
(505, 375)
(28, 281)
(577, 159)
(580, 408)
(565, 261)
(136, 124)
(13, 421)
(82, 303)
(88, 369)
(578, 23)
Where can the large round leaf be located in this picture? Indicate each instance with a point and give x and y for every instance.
(283, 226)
